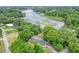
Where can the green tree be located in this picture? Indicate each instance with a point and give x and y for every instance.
(26, 35)
(17, 47)
(57, 46)
(73, 47)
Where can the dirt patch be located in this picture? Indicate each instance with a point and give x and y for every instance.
(12, 37)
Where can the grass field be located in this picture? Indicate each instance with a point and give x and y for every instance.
(1, 46)
(54, 18)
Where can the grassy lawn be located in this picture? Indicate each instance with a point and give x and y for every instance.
(53, 18)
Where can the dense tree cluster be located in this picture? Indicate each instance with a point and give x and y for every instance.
(26, 31)
(9, 15)
(70, 15)
(59, 39)
(10, 12)
(22, 47)
(5, 20)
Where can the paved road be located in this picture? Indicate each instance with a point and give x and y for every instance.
(65, 50)
(6, 44)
